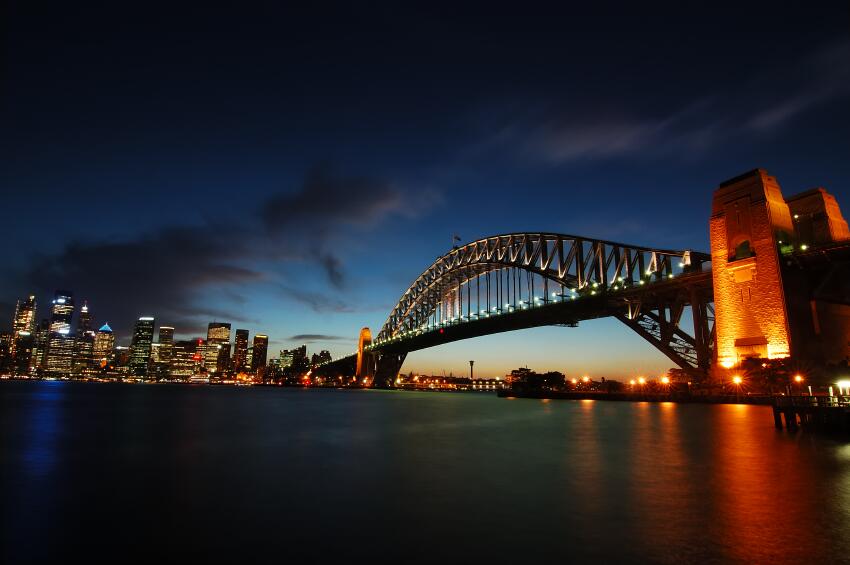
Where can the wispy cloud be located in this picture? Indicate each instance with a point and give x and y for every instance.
(310, 338)
(769, 101)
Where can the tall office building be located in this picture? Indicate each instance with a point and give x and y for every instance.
(61, 312)
(23, 335)
(84, 344)
(240, 350)
(60, 344)
(104, 343)
(163, 352)
(259, 351)
(186, 359)
(24, 320)
(38, 360)
(6, 340)
(166, 343)
(218, 347)
(23, 353)
(84, 320)
(140, 346)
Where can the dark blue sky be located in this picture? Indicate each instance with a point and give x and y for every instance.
(293, 170)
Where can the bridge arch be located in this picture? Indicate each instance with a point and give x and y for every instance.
(522, 271)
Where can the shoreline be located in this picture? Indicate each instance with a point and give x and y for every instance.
(678, 397)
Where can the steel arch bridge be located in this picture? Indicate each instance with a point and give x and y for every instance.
(521, 280)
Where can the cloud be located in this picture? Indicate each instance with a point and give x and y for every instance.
(555, 134)
(318, 302)
(182, 275)
(309, 338)
(828, 72)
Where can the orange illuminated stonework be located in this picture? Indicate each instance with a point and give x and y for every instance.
(773, 296)
(749, 220)
(362, 356)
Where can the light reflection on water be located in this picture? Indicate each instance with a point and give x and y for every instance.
(265, 475)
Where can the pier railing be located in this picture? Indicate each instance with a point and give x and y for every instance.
(812, 401)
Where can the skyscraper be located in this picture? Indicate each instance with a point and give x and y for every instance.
(166, 344)
(240, 350)
(62, 312)
(24, 320)
(140, 346)
(104, 343)
(60, 346)
(218, 347)
(23, 335)
(38, 361)
(259, 351)
(186, 359)
(84, 321)
(84, 344)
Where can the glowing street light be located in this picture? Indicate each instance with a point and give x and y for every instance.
(641, 381)
(737, 380)
(798, 379)
(665, 380)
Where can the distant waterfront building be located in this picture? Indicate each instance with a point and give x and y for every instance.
(218, 347)
(186, 360)
(240, 350)
(287, 358)
(325, 356)
(104, 343)
(140, 346)
(259, 351)
(38, 360)
(85, 320)
(60, 345)
(166, 348)
(6, 340)
(121, 358)
(84, 343)
(62, 312)
(23, 335)
(24, 320)
(23, 352)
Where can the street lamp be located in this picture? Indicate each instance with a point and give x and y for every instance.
(737, 380)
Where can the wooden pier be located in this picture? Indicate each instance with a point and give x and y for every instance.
(828, 414)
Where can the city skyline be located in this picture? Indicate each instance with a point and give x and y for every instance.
(306, 191)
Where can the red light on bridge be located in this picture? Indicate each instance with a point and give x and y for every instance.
(442, 331)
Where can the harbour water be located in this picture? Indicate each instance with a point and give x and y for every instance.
(166, 473)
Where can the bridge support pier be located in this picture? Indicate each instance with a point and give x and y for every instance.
(387, 366)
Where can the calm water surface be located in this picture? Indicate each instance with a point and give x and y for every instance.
(118, 473)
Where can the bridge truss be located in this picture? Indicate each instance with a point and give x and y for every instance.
(531, 279)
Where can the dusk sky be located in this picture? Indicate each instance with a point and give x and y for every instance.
(293, 171)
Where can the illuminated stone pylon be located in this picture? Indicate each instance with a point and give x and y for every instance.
(750, 221)
(364, 358)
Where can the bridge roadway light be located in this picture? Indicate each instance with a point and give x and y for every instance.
(641, 381)
(665, 380)
(737, 379)
(798, 378)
